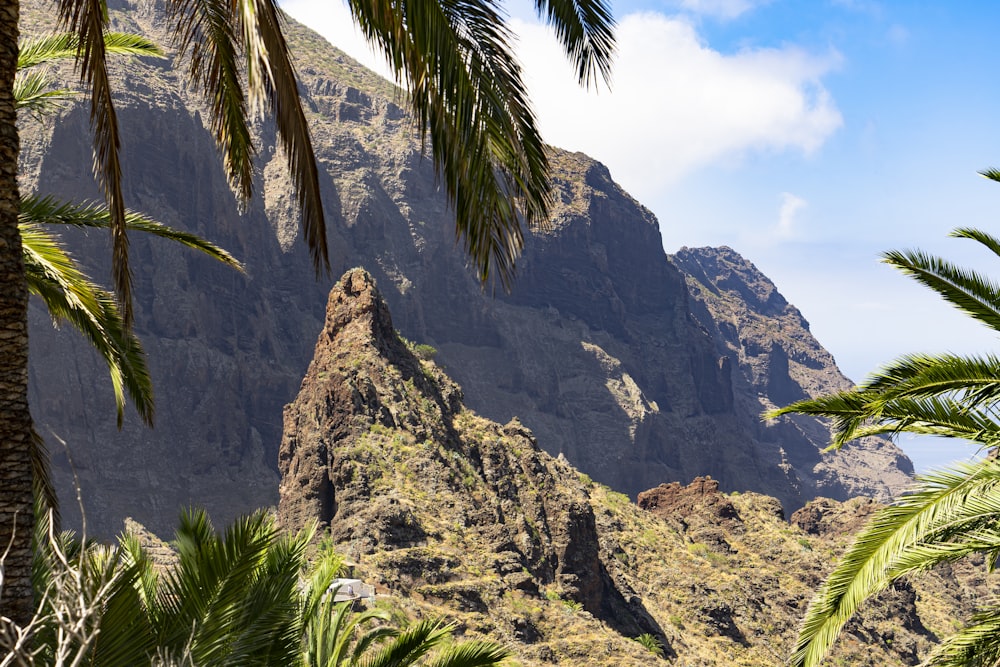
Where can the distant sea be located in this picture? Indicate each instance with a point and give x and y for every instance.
(928, 453)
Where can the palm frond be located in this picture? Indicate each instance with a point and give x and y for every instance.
(271, 76)
(132, 554)
(882, 550)
(66, 46)
(217, 34)
(232, 599)
(91, 215)
(586, 30)
(471, 654)
(324, 571)
(929, 416)
(991, 174)
(69, 294)
(972, 380)
(984, 238)
(88, 19)
(969, 291)
(125, 634)
(43, 488)
(411, 644)
(861, 413)
(975, 645)
(205, 30)
(34, 94)
(468, 97)
(33, 88)
(331, 628)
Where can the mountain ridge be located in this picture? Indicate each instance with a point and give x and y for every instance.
(452, 515)
(595, 349)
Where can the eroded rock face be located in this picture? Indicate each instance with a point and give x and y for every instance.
(776, 361)
(379, 448)
(826, 517)
(675, 501)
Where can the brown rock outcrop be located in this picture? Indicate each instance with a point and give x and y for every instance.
(449, 513)
(826, 517)
(378, 447)
(676, 501)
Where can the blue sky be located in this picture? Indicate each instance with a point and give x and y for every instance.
(808, 135)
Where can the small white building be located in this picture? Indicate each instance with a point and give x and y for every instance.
(350, 589)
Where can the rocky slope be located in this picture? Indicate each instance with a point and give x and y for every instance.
(776, 361)
(452, 515)
(595, 350)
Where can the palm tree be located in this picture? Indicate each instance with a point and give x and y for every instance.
(949, 513)
(233, 599)
(336, 636)
(466, 91)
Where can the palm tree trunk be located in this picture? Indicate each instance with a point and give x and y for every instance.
(16, 518)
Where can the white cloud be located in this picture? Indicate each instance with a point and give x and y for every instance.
(676, 105)
(332, 19)
(724, 9)
(898, 35)
(788, 215)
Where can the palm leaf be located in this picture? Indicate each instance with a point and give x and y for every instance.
(973, 380)
(216, 35)
(586, 30)
(33, 93)
(324, 571)
(43, 488)
(975, 645)
(471, 654)
(69, 294)
(991, 174)
(467, 95)
(88, 215)
(205, 30)
(970, 291)
(271, 77)
(89, 20)
(66, 46)
(888, 547)
(410, 644)
(33, 88)
(857, 414)
(125, 634)
(132, 554)
(233, 599)
(988, 240)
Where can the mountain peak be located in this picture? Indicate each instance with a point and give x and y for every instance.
(449, 513)
(379, 449)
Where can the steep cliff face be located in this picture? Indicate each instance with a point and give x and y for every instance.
(595, 349)
(776, 361)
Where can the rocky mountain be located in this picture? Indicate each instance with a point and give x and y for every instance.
(598, 349)
(450, 514)
(776, 361)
